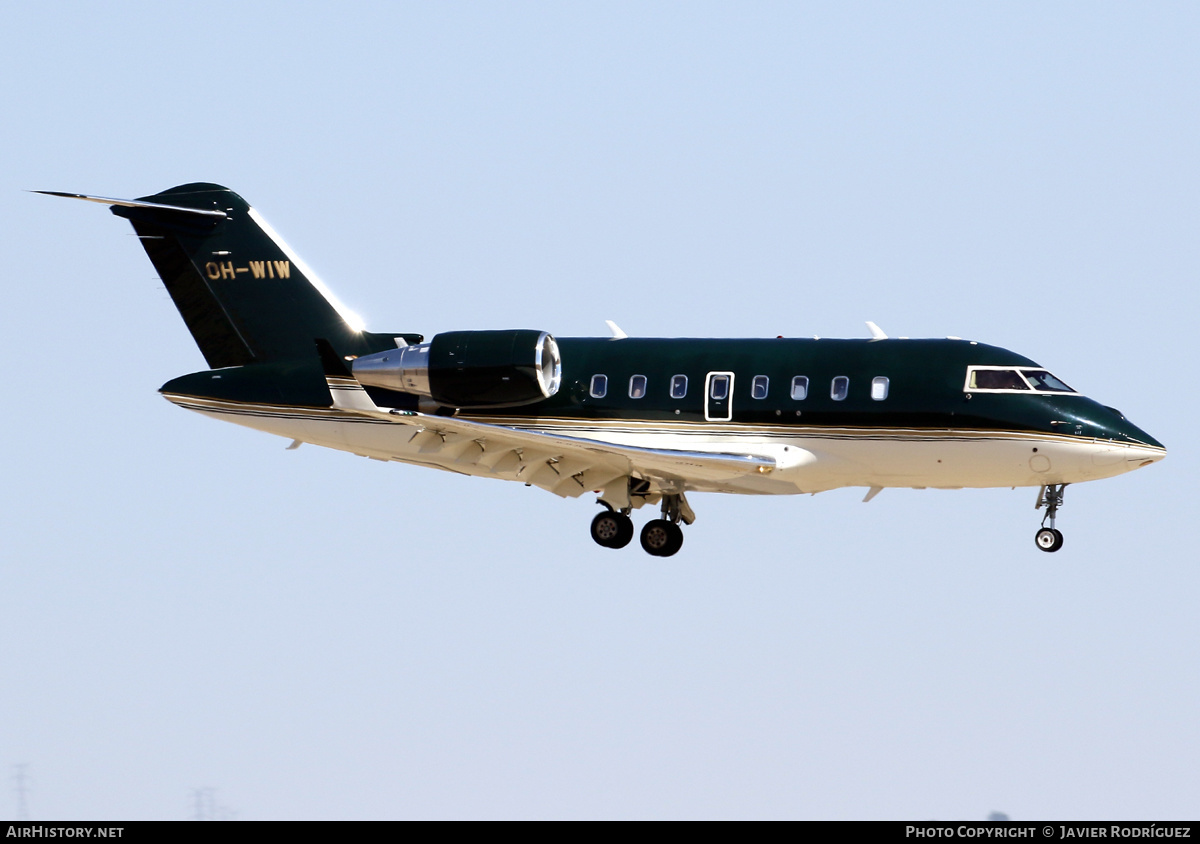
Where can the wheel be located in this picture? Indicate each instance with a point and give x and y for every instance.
(661, 538)
(676, 540)
(1049, 539)
(611, 529)
(625, 536)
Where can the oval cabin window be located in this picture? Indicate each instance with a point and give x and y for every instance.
(637, 387)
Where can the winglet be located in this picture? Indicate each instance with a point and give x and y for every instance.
(617, 333)
(876, 331)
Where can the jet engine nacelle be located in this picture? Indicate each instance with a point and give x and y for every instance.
(469, 369)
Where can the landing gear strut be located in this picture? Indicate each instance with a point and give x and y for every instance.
(1050, 497)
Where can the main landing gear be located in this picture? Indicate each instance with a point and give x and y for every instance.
(612, 529)
(1050, 497)
(662, 537)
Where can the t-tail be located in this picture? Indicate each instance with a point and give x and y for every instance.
(246, 297)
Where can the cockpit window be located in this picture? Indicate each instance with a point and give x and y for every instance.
(1043, 380)
(1005, 379)
(996, 379)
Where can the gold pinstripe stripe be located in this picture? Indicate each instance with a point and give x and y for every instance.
(559, 425)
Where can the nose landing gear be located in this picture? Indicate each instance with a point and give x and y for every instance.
(1050, 497)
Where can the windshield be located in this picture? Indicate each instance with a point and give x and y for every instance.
(996, 379)
(1043, 380)
(1006, 379)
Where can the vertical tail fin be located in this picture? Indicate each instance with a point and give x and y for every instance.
(244, 294)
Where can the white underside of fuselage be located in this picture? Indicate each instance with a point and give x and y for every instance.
(807, 459)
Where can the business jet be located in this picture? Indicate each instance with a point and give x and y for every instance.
(638, 421)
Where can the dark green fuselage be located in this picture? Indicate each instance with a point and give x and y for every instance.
(926, 381)
(925, 390)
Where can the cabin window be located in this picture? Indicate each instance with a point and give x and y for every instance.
(719, 388)
(879, 387)
(800, 387)
(758, 387)
(1043, 380)
(678, 386)
(840, 388)
(599, 386)
(637, 386)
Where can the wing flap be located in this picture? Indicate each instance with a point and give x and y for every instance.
(536, 446)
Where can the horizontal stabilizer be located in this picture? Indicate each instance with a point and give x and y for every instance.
(135, 203)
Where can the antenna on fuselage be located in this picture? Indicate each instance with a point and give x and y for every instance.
(876, 331)
(617, 333)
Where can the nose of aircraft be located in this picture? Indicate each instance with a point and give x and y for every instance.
(1143, 448)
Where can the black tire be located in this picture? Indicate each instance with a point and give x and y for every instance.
(611, 529)
(661, 538)
(1049, 539)
(626, 534)
(676, 541)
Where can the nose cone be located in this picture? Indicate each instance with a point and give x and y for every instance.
(1143, 449)
(1135, 435)
(1138, 435)
(1138, 456)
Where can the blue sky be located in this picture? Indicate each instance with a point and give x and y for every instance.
(188, 605)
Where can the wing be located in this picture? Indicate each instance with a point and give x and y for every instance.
(565, 465)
